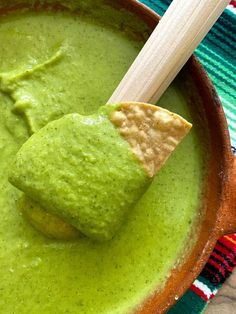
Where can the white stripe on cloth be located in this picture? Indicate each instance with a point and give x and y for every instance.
(204, 288)
(231, 8)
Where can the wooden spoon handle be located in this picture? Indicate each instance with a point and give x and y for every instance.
(179, 32)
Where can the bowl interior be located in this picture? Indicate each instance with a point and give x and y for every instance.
(195, 98)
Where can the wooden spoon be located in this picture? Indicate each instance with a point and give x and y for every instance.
(173, 41)
(175, 38)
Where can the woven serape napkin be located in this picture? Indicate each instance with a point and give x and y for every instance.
(217, 53)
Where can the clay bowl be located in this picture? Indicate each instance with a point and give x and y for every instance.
(220, 186)
(219, 203)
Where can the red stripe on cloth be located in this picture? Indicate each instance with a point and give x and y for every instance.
(233, 2)
(225, 251)
(219, 267)
(222, 261)
(230, 258)
(229, 244)
(216, 278)
(232, 236)
(199, 292)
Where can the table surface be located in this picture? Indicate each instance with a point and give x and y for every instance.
(225, 301)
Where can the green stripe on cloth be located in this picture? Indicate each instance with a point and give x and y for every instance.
(208, 283)
(184, 306)
(217, 54)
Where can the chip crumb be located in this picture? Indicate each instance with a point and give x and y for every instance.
(152, 132)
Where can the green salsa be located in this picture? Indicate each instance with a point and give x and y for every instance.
(56, 63)
(81, 169)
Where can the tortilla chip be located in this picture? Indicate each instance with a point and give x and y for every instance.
(50, 225)
(152, 132)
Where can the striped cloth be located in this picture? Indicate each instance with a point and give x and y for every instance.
(217, 53)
